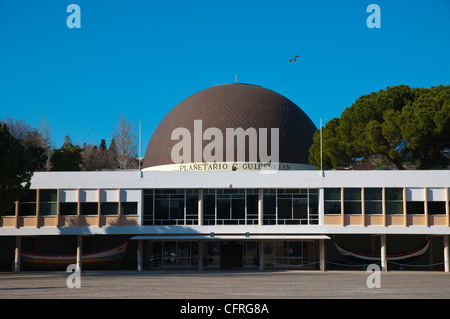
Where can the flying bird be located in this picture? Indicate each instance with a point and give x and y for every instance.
(295, 59)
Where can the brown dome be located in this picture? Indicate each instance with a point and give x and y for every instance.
(235, 106)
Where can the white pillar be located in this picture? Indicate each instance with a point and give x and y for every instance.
(446, 254)
(79, 252)
(261, 255)
(17, 254)
(200, 255)
(200, 207)
(260, 207)
(383, 253)
(322, 254)
(140, 255)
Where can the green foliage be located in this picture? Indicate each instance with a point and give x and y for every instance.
(67, 157)
(16, 170)
(402, 125)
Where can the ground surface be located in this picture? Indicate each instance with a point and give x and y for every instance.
(225, 285)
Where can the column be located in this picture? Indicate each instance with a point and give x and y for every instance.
(16, 214)
(363, 207)
(405, 221)
(322, 254)
(383, 204)
(261, 255)
(78, 204)
(58, 201)
(119, 203)
(342, 207)
(446, 254)
(447, 206)
(260, 207)
(200, 208)
(140, 255)
(425, 208)
(321, 206)
(37, 207)
(200, 255)
(79, 252)
(99, 206)
(383, 253)
(17, 254)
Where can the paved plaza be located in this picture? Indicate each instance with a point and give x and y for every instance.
(178, 284)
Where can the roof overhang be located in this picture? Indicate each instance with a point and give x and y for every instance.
(246, 236)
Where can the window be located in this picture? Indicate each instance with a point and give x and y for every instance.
(27, 205)
(48, 201)
(230, 206)
(270, 206)
(415, 207)
(313, 206)
(128, 208)
(292, 206)
(191, 207)
(352, 201)
(109, 208)
(223, 209)
(286, 254)
(332, 200)
(161, 208)
(300, 208)
(436, 200)
(436, 208)
(88, 208)
(284, 207)
(169, 207)
(394, 200)
(209, 207)
(148, 207)
(252, 206)
(373, 203)
(11, 211)
(238, 208)
(66, 209)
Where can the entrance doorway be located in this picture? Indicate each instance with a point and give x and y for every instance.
(231, 255)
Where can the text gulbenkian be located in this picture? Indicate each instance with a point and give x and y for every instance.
(230, 308)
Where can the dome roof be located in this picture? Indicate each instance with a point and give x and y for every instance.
(235, 106)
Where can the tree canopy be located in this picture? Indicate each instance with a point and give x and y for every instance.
(100, 158)
(67, 157)
(125, 142)
(16, 169)
(399, 126)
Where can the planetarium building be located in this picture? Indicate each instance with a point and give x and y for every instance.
(226, 184)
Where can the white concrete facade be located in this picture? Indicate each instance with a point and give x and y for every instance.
(433, 185)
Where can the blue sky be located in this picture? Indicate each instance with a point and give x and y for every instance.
(142, 58)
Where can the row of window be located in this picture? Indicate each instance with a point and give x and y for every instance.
(230, 207)
(237, 206)
(373, 202)
(48, 205)
(291, 206)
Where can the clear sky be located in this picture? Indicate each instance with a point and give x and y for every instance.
(142, 58)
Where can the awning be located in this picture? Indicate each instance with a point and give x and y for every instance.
(213, 236)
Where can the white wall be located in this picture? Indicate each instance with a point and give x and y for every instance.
(252, 179)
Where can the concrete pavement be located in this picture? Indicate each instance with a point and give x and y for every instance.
(177, 284)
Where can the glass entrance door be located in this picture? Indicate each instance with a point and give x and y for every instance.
(231, 255)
